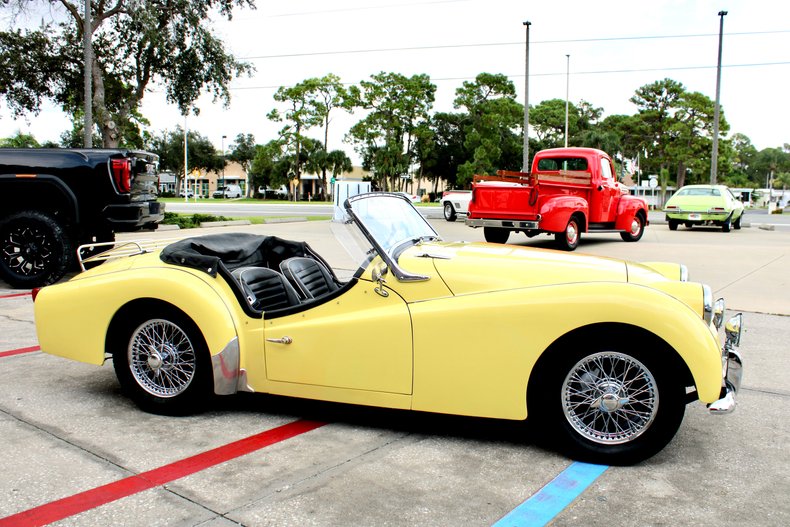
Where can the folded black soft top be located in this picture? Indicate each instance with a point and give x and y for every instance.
(234, 250)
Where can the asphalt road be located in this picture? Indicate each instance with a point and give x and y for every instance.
(230, 208)
(75, 448)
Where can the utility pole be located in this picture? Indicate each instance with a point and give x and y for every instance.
(87, 54)
(567, 93)
(525, 161)
(714, 158)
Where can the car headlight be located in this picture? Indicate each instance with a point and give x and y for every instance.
(718, 313)
(707, 303)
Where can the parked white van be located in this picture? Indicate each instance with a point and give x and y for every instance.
(228, 191)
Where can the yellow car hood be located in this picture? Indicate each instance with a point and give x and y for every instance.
(477, 267)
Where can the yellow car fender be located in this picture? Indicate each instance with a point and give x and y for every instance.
(79, 312)
(474, 354)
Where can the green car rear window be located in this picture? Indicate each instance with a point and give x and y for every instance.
(699, 192)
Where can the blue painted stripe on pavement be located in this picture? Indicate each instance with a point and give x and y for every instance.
(549, 501)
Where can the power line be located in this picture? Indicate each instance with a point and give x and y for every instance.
(573, 73)
(493, 44)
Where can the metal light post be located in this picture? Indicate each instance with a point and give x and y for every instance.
(186, 169)
(714, 158)
(87, 54)
(525, 161)
(222, 177)
(567, 93)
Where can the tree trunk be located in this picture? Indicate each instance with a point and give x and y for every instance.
(681, 174)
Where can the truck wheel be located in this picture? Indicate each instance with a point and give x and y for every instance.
(568, 240)
(673, 224)
(449, 212)
(495, 234)
(162, 362)
(35, 249)
(608, 403)
(636, 231)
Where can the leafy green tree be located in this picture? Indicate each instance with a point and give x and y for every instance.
(242, 151)
(134, 44)
(397, 105)
(19, 140)
(743, 157)
(547, 119)
(690, 139)
(298, 117)
(440, 149)
(493, 116)
(270, 166)
(201, 154)
(656, 105)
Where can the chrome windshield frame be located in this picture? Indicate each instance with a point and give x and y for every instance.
(390, 257)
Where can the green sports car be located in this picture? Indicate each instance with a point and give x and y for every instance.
(704, 205)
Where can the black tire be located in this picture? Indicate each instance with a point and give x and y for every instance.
(614, 404)
(673, 224)
(35, 250)
(637, 230)
(449, 212)
(725, 226)
(568, 239)
(689, 225)
(737, 224)
(496, 234)
(162, 362)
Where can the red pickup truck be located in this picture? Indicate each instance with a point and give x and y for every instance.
(568, 192)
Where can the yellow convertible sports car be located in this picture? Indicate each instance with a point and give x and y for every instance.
(602, 354)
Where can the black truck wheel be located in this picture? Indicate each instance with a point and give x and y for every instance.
(496, 234)
(35, 249)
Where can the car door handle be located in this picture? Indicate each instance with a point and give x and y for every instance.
(285, 340)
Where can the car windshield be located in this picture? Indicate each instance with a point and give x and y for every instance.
(389, 221)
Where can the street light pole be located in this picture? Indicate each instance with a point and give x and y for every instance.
(714, 158)
(525, 161)
(222, 178)
(567, 93)
(87, 54)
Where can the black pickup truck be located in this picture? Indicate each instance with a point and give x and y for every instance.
(54, 200)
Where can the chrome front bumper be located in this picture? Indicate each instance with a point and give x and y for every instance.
(732, 367)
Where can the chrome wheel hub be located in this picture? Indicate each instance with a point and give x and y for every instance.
(571, 233)
(635, 226)
(161, 358)
(610, 398)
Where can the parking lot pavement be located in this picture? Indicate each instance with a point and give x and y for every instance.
(67, 429)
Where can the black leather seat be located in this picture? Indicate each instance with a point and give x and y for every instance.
(310, 278)
(266, 289)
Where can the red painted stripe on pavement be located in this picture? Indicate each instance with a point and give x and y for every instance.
(14, 295)
(19, 351)
(90, 499)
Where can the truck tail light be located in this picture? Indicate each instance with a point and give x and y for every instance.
(122, 174)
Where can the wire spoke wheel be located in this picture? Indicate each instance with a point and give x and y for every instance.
(610, 398)
(162, 358)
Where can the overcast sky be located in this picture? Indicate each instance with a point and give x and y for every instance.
(614, 46)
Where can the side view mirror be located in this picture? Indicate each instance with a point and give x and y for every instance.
(378, 274)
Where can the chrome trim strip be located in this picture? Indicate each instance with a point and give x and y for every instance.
(733, 368)
(225, 365)
(504, 224)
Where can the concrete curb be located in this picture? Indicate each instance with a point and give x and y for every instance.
(227, 223)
